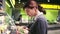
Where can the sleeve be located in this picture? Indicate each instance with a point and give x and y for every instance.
(42, 26)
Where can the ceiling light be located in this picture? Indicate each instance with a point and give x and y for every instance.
(48, 0)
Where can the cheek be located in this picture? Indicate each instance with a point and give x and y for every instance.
(33, 13)
(29, 13)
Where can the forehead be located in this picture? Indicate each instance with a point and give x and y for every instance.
(32, 2)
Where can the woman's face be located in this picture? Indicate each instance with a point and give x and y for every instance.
(31, 12)
(33, 4)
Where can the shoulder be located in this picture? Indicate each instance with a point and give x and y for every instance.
(41, 18)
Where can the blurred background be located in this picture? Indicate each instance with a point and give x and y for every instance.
(14, 9)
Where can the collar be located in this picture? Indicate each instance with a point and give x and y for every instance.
(38, 14)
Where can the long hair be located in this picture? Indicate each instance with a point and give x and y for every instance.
(39, 7)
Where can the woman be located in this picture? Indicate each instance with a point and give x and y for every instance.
(34, 10)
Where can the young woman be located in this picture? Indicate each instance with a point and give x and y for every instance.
(34, 10)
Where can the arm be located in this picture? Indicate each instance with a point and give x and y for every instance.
(42, 26)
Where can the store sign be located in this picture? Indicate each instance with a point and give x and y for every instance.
(50, 6)
(58, 7)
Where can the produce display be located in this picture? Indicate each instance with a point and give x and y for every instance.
(7, 26)
(17, 30)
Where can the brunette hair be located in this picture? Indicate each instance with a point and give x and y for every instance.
(39, 7)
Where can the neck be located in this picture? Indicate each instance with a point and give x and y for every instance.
(39, 13)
